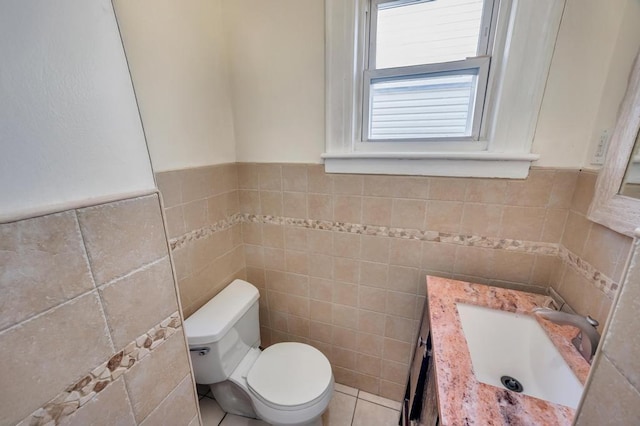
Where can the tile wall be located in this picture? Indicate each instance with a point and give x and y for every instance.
(90, 319)
(201, 207)
(341, 260)
(589, 285)
(613, 394)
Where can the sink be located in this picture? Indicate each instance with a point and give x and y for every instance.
(509, 349)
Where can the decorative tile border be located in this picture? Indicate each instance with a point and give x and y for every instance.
(588, 271)
(198, 234)
(599, 280)
(78, 394)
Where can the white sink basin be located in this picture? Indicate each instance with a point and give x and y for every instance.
(507, 344)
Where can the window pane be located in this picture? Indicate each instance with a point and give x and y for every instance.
(420, 107)
(427, 32)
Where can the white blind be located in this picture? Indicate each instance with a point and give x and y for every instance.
(428, 32)
(422, 107)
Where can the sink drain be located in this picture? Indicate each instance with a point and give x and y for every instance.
(511, 383)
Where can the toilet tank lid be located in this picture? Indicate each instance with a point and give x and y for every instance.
(213, 320)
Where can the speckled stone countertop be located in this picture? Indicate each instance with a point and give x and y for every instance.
(462, 399)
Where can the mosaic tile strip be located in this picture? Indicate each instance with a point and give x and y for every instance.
(548, 249)
(78, 394)
(198, 234)
(597, 278)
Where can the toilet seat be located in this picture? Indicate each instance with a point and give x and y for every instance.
(290, 376)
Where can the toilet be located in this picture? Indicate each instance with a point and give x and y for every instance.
(286, 384)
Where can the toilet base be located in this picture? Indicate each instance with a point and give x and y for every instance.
(232, 399)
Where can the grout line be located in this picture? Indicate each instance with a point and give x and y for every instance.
(222, 419)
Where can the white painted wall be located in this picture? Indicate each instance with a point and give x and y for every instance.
(176, 53)
(69, 126)
(277, 57)
(594, 53)
(276, 62)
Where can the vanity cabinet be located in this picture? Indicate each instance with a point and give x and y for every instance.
(421, 406)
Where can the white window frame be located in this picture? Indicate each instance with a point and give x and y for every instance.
(522, 48)
(480, 63)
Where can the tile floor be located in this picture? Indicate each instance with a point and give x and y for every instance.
(348, 406)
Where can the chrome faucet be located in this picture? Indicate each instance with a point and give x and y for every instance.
(587, 339)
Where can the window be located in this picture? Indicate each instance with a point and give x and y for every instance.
(436, 87)
(427, 69)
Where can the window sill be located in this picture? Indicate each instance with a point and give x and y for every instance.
(450, 164)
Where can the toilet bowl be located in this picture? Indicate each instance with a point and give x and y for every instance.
(286, 384)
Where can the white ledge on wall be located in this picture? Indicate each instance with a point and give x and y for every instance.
(452, 164)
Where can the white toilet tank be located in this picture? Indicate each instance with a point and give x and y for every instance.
(222, 331)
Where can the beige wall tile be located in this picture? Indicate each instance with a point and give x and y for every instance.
(391, 390)
(251, 233)
(320, 241)
(610, 399)
(320, 289)
(348, 184)
(249, 201)
(320, 206)
(345, 294)
(444, 216)
(320, 331)
(110, 407)
(576, 232)
(49, 359)
(448, 189)
(294, 177)
(490, 191)
(374, 248)
(122, 236)
(197, 183)
(343, 358)
(318, 180)
(321, 311)
(225, 178)
(346, 270)
(371, 322)
(379, 186)
(544, 268)
(345, 316)
(346, 245)
(398, 328)
(622, 342)
(271, 203)
(295, 204)
(254, 256)
(299, 326)
(481, 219)
(196, 215)
(344, 338)
(150, 380)
(376, 211)
(270, 176)
(248, 177)
(604, 248)
(400, 304)
(397, 351)
(297, 262)
(178, 408)
(273, 235)
(438, 256)
(218, 208)
(368, 364)
(295, 238)
(370, 344)
(405, 252)
(372, 299)
(554, 224)
(274, 259)
(137, 302)
(585, 187)
(408, 213)
(374, 274)
(534, 191)
(175, 222)
(564, 186)
(522, 223)
(347, 208)
(395, 372)
(474, 261)
(511, 266)
(169, 184)
(321, 266)
(42, 264)
(404, 279)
